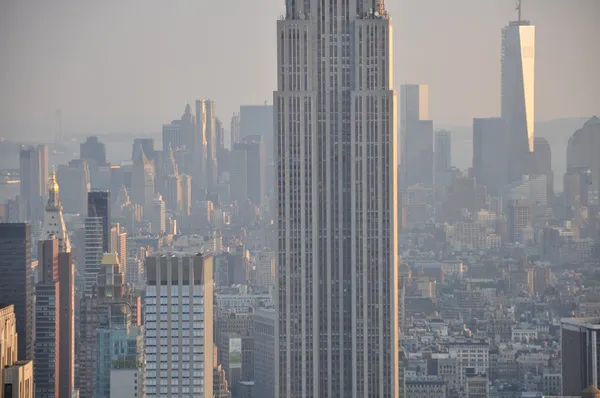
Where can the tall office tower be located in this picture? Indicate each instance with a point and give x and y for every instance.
(238, 179)
(200, 151)
(33, 168)
(335, 140)
(583, 149)
(186, 194)
(443, 150)
(66, 366)
(94, 250)
(171, 136)
(219, 136)
(118, 344)
(580, 354)
(158, 215)
(249, 170)
(519, 218)
(47, 321)
(99, 206)
(18, 380)
(542, 164)
(8, 340)
(142, 182)
(442, 163)
(585, 180)
(258, 120)
(212, 170)
(93, 151)
(108, 289)
(264, 352)
(173, 193)
(187, 127)
(235, 129)
(63, 301)
(74, 179)
(571, 190)
(416, 133)
(178, 134)
(119, 245)
(16, 281)
(490, 154)
(54, 223)
(143, 144)
(518, 77)
(120, 363)
(179, 330)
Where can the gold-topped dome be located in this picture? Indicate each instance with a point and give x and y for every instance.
(53, 184)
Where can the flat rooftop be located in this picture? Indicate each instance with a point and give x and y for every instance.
(589, 322)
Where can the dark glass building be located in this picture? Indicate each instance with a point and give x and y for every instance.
(93, 151)
(47, 321)
(16, 281)
(580, 354)
(99, 206)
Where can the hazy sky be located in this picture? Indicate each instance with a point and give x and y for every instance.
(131, 65)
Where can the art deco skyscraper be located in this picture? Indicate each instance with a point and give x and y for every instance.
(335, 154)
(518, 74)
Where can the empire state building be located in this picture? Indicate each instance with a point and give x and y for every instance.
(335, 150)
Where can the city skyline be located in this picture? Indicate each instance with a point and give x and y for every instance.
(339, 241)
(76, 66)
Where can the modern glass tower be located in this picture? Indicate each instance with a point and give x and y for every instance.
(335, 158)
(518, 78)
(16, 283)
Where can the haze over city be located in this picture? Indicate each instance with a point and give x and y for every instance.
(300, 199)
(128, 66)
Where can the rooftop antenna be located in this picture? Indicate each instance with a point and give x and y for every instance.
(518, 8)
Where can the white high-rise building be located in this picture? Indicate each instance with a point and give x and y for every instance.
(158, 215)
(54, 223)
(335, 155)
(518, 78)
(179, 326)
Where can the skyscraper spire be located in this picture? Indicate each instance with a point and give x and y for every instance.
(54, 223)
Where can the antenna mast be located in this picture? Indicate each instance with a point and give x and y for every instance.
(519, 10)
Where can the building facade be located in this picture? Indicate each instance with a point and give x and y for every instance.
(518, 95)
(8, 340)
(16, 281)
(416, 132)
(47, 321)
(179, 333)
(264, 352)
(580, 354)
(335, 139)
